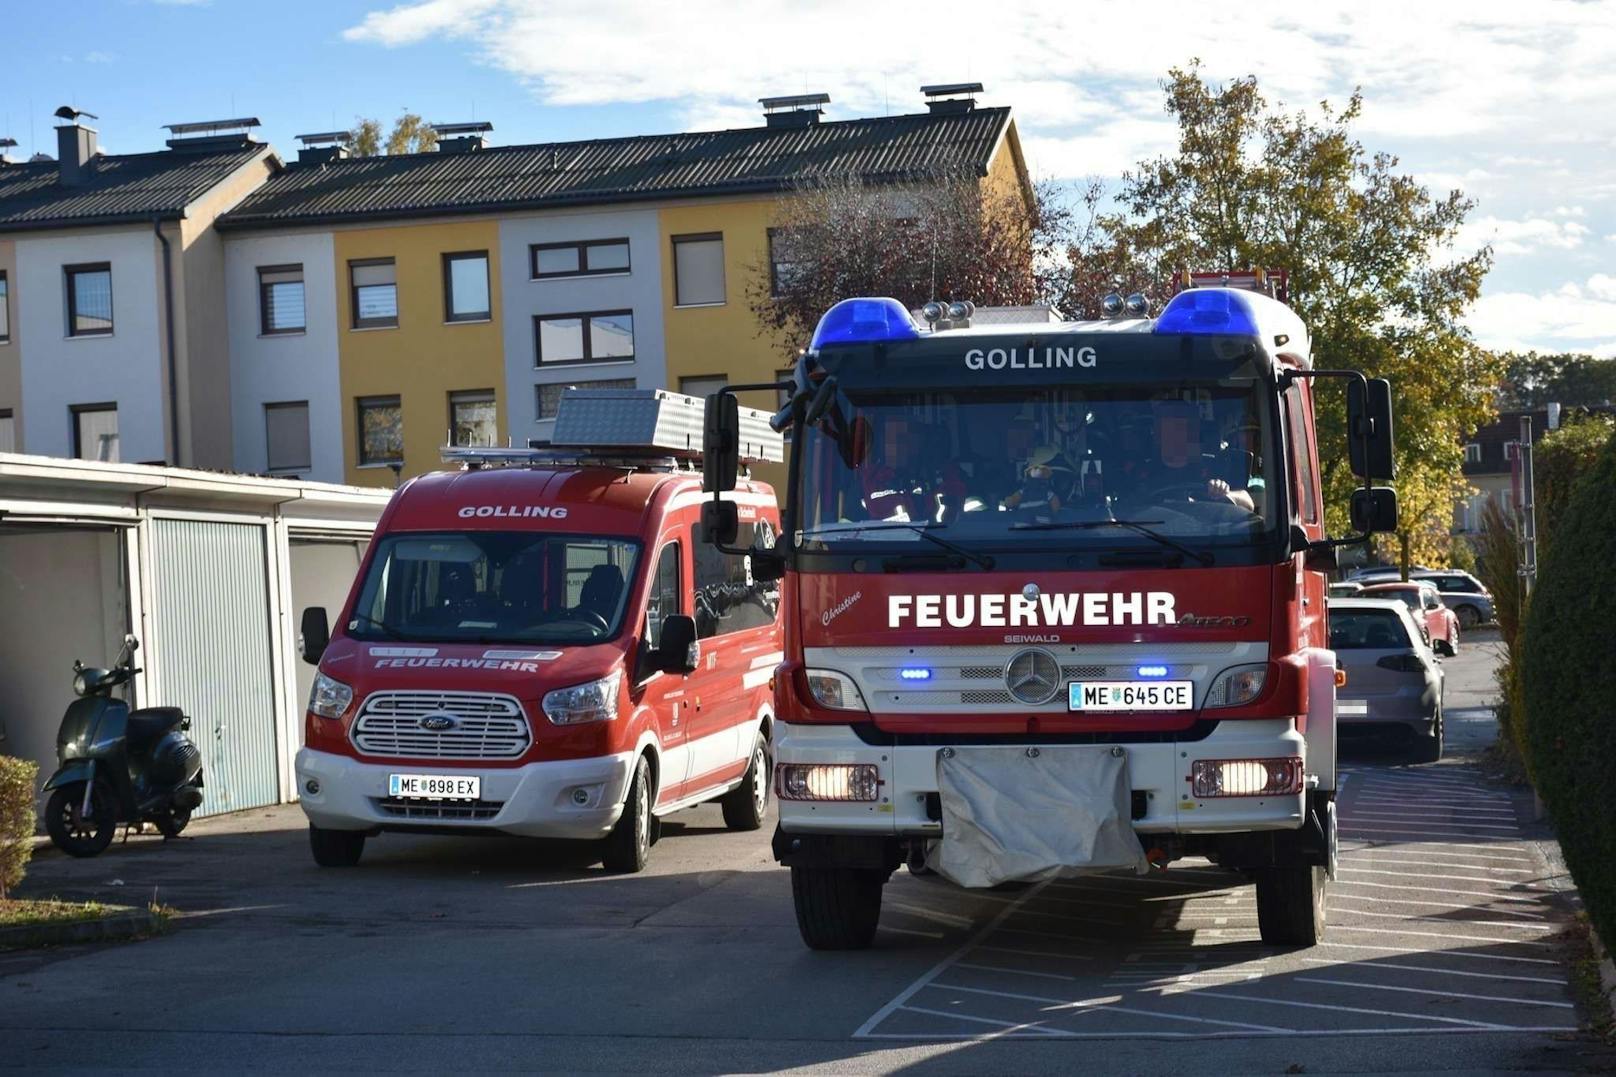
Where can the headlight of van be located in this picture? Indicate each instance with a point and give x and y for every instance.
(329, 698)
(592, 702)
(1237, 685)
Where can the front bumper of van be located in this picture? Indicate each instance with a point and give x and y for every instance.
(569, 798)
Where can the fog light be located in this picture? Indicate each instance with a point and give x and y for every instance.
(580, 796)
(1246, 777)
(312, 787)
(827, 781)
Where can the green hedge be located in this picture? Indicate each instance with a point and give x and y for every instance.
(17, 778)
(1568, 685)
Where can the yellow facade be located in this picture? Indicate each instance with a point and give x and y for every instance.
(425, 357)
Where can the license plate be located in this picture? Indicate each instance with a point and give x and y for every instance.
(1130, 695)
(434, 787)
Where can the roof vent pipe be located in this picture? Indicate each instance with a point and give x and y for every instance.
(461, 137)
(951, 97)
(75, 145)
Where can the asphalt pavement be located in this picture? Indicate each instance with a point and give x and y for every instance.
(1447, 951)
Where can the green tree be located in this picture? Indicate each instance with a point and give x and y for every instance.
(1559, 461)
(1373, 272)
(1534, 381)
(365, 140)
(410, 134)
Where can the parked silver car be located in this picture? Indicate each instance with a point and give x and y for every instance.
(1462, 593)
(1394, 680)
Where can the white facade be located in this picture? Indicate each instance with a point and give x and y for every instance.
(126, 366)
(638, 290)
(284, 368)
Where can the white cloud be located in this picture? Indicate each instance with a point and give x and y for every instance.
(1525, 236)
(1572, 317)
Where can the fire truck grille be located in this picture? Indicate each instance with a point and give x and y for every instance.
(1077, 673)
(985, 699)
(981, 673)
(442, 725)
(427, 811)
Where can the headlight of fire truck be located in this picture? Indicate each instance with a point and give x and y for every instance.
(1237, 685)
(834, 690)
(329, 698)
(592, 702)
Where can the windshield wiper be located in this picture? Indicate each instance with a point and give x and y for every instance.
(915, 526)
(1137, 526)
(388, 630)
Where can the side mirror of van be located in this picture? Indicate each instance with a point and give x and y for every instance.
(316, 634)
(678, 651)
(1374, 510)
(721, 443)
(720, 522)
(1369, 429)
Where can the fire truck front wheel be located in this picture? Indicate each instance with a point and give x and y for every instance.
(837, 908)
(1290, 903)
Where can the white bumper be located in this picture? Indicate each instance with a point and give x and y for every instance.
(1160, 771)
(536, 800)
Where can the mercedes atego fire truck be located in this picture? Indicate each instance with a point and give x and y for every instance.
(1054, 600)
(539, 644)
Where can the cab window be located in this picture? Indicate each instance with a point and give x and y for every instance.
(664, 600)
(727, 598)
(1304, 483)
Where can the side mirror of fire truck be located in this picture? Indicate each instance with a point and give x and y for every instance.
(316, 632)
(678, 651)
(1369, 429)
(720, 523)
(721, 443)
(1374, 509)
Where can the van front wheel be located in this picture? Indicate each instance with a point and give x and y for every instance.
(336, 848)
(747, 805)
(628, 846)
(837, 908)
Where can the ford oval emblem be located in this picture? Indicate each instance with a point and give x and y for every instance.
(437, 723)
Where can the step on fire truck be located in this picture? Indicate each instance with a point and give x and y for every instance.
(539, 644)
(1054, 600)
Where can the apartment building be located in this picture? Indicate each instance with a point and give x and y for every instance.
(113, 338)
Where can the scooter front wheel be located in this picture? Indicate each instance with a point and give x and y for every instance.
(78, 832)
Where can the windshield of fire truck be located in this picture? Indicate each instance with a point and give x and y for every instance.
(990, 469)
(495, 587)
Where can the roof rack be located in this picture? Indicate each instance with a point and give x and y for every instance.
(212, 126)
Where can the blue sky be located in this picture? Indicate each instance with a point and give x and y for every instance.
(1509, 102)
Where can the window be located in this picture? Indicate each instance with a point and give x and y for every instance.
(280, 299)
(375, 293)
(1367, 629)
(1304, 484)
(5, 310)
(702, 385)
(698, 270)
(471, 418)
(604, 337)
(665, 595)
(783, 266)
(89, 300)
(728, 599)
(1472, 453)
(8, 431)
(381, 430)
(95, 432)
(465, 287)
(549, 396)
(286, 428)
(581, 259)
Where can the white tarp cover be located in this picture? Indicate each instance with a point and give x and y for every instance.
(1011, 817)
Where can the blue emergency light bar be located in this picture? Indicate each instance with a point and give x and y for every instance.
(865, 320)
(1152, 671)
(1209, 311)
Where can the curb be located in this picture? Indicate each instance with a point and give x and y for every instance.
(123, 923)
(1607, 972)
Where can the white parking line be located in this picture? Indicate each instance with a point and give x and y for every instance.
(1373, 818)
(907, 931)
(1423, 832)
(1159, 1034)
(1426, 968)
(1434, 904)
(1380, 845)
(1445, 953)
(1007, 1026)
(1493, 894)
(1446, 920)
(1016, 972)
(1036, 953)
(928, 914)
(1352, 1009)
(1432, 863)
(1436, 935)
(1108, 1004)
(1427, 991)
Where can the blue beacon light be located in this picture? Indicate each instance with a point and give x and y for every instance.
(914, 673)
(1208, 312)
(1152, 671)
(865, 320)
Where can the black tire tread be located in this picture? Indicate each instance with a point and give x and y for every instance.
(106, 816)
(837, 908)
(621, 851)
(336, 848)
(740, 811)
(1288, 913)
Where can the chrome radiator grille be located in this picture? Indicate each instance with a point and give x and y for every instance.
(474, 725)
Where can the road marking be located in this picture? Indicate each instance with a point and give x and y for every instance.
(1109, 1004)
(1442, 994)
(1157, 1034)
(1378, 845)
(1372, 817)
(1426, 968)
(1037, 953)
(1016, 972)
(1387, 828)
(907, 931)
(1354, 1009)
(927, 914)
(1446, 920)
(1432, 904)
(1493, 894)
(1435, 935)
(1035, 1026)
(1423, 863)
(1445, 953)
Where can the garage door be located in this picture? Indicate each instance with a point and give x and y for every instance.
(212, 653)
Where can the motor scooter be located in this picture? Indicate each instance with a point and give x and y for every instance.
(116, 765)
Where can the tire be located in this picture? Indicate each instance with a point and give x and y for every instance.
(747, 805)
(837, 908)
(628, 846)
(336, 848)
(1469, 617)
(1427, 748)
(74, 832)
(170, 823)
(1290, 904)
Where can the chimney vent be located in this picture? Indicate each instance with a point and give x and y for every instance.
(5, 147)
(75, 145)
(951, 97)
(212, 136)
(462, 137)
(323, 146)
(799, 110)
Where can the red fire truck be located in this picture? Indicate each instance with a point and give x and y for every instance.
(540, 645)
(1054, 600)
